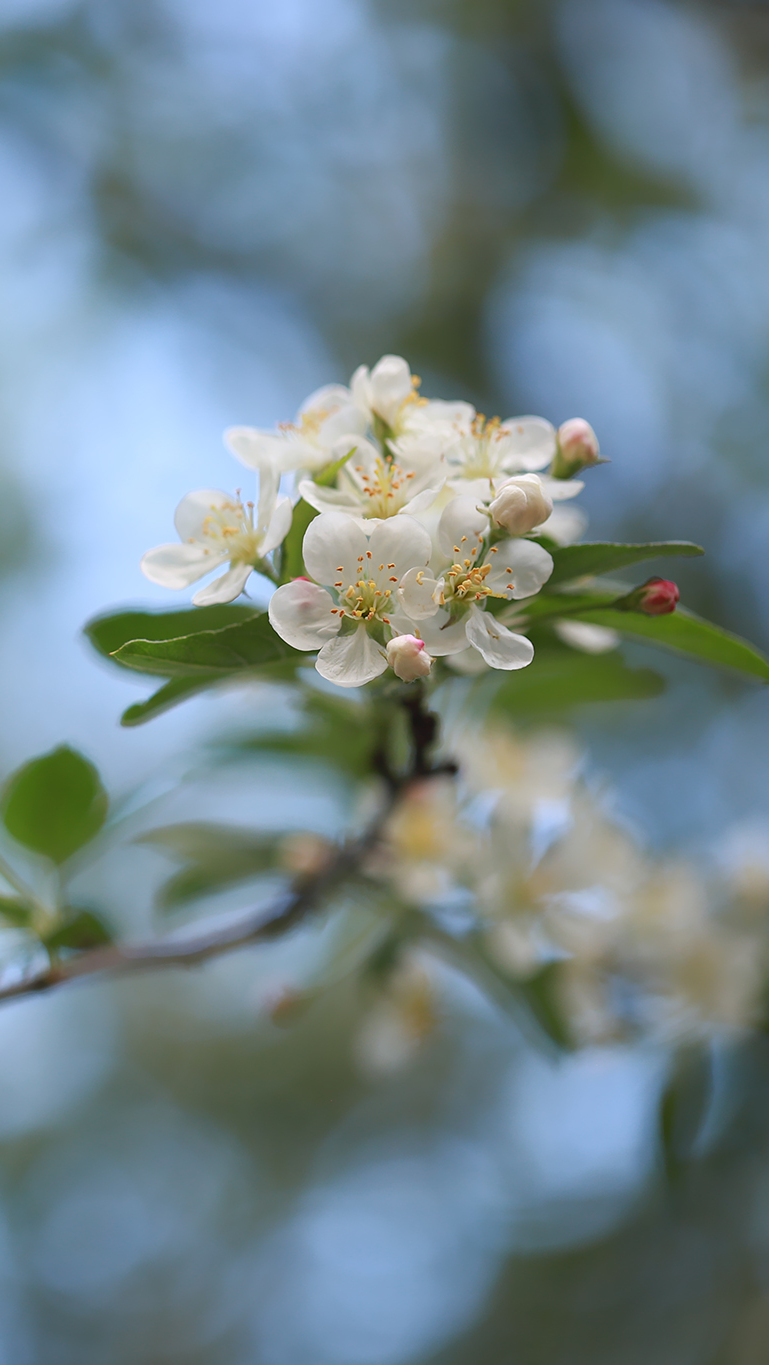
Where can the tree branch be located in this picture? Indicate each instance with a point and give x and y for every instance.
(304, 896)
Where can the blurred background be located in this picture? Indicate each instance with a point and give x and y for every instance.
(206, 211)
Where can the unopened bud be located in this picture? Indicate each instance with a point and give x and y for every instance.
(521, 504)
(407, 656)
(655, 597)
(577, 447)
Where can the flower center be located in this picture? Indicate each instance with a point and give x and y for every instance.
(231, 528)
(386, 488)
(482, 449)
(364, 599)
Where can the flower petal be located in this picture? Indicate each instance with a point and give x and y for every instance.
(301, 614)
(590, 639)
(565, 525)
(329, 499)
(333, 548)
(532, 442)
(194, 510)
(176, 566)
(390, 386)
(460, 518)
(278, 525)
(561, 490)
(224, 589)
(440, 634)
(399, 543)
(416, 594)
(495, 643)
(351, 660)
(519, 568)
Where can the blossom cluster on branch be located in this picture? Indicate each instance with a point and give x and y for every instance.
(421, 514)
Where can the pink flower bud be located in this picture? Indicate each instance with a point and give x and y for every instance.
(521, 504)
(407, 656)
(655, 597)
(577, 447)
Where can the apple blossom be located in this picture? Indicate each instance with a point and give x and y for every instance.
(329, 416)
(521, 504)
(408, 658)
(371, 485)
(215, 528)
(346, 612)
(577, 448)
(450, 608)
(655, 597)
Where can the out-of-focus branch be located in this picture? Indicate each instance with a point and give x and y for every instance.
(305, 895)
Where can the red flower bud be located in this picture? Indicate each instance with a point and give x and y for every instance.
(655, 597)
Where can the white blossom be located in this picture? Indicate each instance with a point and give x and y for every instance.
(372, 486)
(346, 613)
(521, 504)
(214, 529)
(408, 658)
(327, 420)
(450, 608)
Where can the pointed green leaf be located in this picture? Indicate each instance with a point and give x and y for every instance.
(291, 561)
(108, 633)
(575, 561)
(338, 732)
(84, 930)
(15, 911)
(685, 633)
(559, 678)
(55, 804)
(252, 644)
(171, 694)
(213, 856)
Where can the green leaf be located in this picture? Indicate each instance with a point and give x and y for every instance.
(575, 561)
(337, 732)
(685, 633)
(84, 930)
(213, 856)
(15, 911)
(171, 694)
(684, 1106)
(252, 644)
(559, 678)
(108, 633)
(541, 995)
(291, 561)
(55, 804)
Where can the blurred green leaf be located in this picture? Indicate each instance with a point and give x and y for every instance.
(249, 644)
(291, 561)
(84, 930)
(108, 633)
(55, 804)
(15, 911)
(684, 1106)
(560, 678)
(685, 633)
(338, 732)
(575, 561)
(540, 993)
(171, 694)
(213, 856)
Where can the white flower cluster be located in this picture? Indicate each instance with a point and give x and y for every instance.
(665, 948)
(426, 511)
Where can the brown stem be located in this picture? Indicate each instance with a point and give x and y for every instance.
(305, 895)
